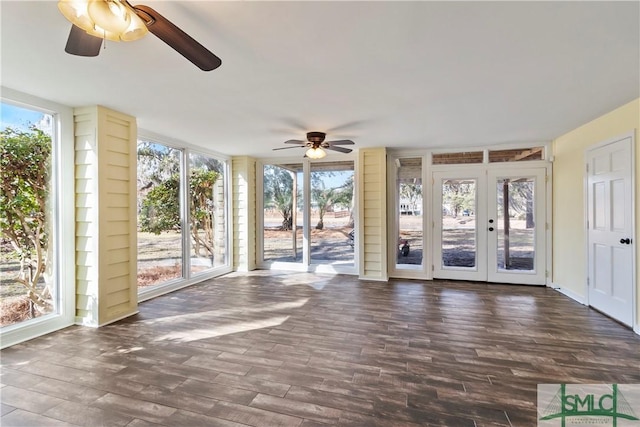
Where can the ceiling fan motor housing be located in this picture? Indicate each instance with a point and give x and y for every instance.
(316, 137)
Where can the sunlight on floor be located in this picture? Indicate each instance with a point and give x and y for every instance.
(315, 281)
(130, 350)
(216, 331)
(211, 315)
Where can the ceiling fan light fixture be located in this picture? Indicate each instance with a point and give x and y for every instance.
(315, 153)
(137, 29)
(109, 19)
(76, 12)
(110, 15)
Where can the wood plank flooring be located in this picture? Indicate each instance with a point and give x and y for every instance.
(296, 349)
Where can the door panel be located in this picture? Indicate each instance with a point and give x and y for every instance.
(602, 271)
(610, 229)
(618, 220)
(459, 242)
(516, 238)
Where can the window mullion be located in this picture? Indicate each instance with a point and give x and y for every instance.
(306, 230)
(185, 202)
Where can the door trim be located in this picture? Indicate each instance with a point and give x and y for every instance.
(635, 325)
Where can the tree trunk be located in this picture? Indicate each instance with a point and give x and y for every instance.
(529, 214)
(287, 223)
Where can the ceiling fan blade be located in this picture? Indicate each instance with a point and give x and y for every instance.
(295, 141)
(82, 44)
(340, 149)
(341, 142)
(286, 148)
(182, 42)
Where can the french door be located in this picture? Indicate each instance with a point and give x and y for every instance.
(490, 225)
(460, 216)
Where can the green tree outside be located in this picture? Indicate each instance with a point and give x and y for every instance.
(160, 208)
(25, 164)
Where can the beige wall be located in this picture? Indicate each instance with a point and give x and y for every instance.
(243, 171)
(106, 239)
(569, 235)
(371, 237)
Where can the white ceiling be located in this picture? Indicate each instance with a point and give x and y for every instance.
(394, 74)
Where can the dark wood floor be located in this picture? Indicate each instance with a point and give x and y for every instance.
(269, 349)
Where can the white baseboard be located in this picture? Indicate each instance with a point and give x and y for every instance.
(582, 300)
(374, 279)
(567, 292)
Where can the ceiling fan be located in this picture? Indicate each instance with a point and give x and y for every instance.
(315, 143)
(118, 20)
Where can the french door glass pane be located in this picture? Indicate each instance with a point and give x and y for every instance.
(516, 223)
(332, 213)
(459, 233)
(409, 189)
(207, 228)
(27, 216)
(159, 217)
(282, 236)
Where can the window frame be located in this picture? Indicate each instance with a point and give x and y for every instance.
(306, 264)
(63, 220)
(188, 278)
(228, 208)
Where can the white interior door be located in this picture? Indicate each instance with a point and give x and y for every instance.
(473, 239)
(610, 229)
(516, 226)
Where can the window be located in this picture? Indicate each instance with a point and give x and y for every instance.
(332, 221)
(516, 155)
(459, 226)
(37, 222)
(457, 158)
(308, 215)
(182, 217)
(207, 213)
(409, 214)
(28, 285)
(282, 224)
(159, 214)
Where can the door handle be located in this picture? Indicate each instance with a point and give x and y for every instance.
(626, 241)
